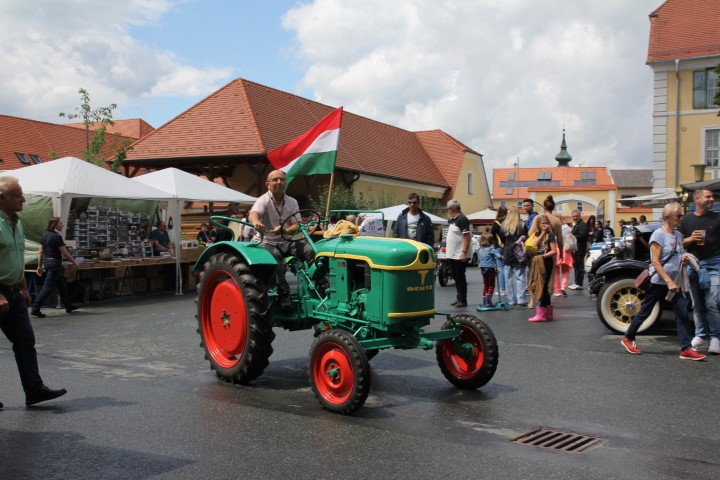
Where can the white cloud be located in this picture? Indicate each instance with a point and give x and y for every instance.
(503, 77)
(49, 49)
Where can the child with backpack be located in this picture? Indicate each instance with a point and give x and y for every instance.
(488, 255)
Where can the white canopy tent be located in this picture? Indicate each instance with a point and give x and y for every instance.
(483, 216)
(182, 187)
(69, 177)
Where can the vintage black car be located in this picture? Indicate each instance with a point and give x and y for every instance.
(612, 278)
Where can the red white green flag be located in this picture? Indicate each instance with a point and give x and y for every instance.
(312, 152)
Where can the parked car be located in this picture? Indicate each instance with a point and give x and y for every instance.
(612, 278)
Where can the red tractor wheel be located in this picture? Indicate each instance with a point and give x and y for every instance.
(470, 360)
(339, 372)
(233, 319)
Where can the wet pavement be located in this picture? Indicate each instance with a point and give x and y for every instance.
(142, 403)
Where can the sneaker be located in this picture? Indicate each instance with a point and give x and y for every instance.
(697, 343)
(714, 346)
(460, 304)
(630, 346)
(454, 303)
(37, 313)
(557, 294)
(575, 286)
(690, 354)
(563, 293)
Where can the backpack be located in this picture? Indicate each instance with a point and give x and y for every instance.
(517, 249)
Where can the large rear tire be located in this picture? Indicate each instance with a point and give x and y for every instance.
(470, 361)
(234, 322)
(339, 372)
(618, 301)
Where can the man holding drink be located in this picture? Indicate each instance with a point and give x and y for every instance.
(701, 230)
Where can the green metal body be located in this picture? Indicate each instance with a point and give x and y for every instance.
(382, 290)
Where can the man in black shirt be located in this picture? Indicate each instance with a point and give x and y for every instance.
(580, 232)
(701, 230)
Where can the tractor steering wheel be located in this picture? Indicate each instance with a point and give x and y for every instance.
(309, 220)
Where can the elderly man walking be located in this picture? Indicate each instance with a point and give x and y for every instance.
(457, 244)
(14, 296)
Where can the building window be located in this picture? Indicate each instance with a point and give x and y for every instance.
(509, 191)
(23, 159)
(579, 206)
(544, 176)
(511, 176)
(35, 158)
(587, 175)
(503, 203)
(470, 183)
(712, 147)
(705, 85)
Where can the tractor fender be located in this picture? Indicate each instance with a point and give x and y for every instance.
(260, 261)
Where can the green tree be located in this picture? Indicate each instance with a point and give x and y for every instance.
(342, 198)
(98, 118)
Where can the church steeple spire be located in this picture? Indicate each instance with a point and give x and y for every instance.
(563, 158)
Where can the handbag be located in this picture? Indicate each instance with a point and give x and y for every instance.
(530, 246)
(570, 244)
(642, 281)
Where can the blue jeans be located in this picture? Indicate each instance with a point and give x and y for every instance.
(516, 283)
(705, 305)
(55, 277)
(501, 274)
(679, 304)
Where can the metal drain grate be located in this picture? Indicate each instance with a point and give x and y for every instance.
(559, 441)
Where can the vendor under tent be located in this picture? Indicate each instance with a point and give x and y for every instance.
(183, 187)
(67, 178)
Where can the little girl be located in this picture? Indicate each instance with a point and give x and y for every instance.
(487, 257)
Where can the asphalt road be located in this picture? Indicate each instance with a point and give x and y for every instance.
(142, 403)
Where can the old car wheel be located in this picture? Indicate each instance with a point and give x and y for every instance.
(339, 371)
(234, 322)
(470, 360)
(619, 301)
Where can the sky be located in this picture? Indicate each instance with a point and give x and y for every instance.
(504, 77)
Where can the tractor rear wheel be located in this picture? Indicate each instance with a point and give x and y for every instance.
(339, 371)
(234, 323)
(470, 360)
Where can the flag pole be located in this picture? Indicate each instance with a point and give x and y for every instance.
(327, 208)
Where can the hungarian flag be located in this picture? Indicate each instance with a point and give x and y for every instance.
(312, 152)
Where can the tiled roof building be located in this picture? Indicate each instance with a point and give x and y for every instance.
(683, 52)
(229, 133)
(26, 142)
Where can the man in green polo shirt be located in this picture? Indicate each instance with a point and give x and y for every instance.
(14, 296)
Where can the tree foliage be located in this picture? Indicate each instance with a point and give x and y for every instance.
(342, 198)
(96, 122)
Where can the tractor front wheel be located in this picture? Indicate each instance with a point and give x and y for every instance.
(234, 323)
(470, 360)
(339, 372)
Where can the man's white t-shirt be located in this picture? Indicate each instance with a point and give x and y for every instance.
(412, 225)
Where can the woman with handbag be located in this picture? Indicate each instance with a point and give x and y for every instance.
(666, 253)
(513, 230)
(542, 269)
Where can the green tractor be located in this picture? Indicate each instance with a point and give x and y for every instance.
(360, 295)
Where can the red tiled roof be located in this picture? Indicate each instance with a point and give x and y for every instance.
(567, 176)
(46, 140)
(447, 153)
(246, 119)
(134, 128)
(684, 29)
